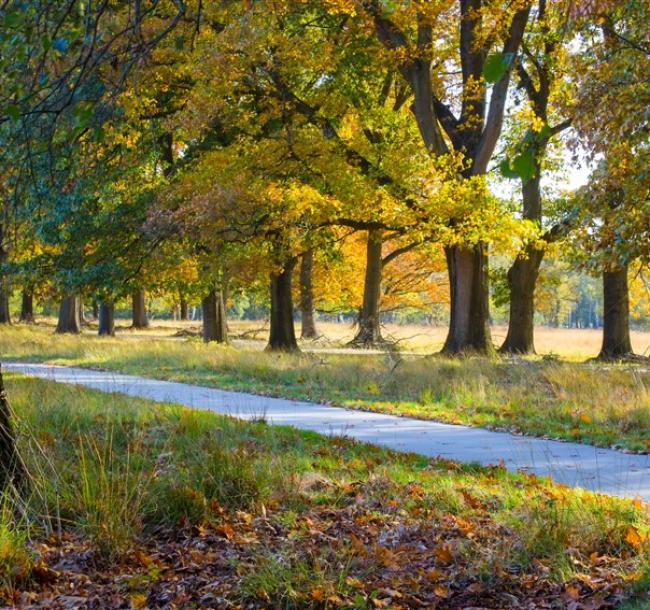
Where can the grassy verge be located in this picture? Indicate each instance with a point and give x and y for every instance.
(607, 407)
(140, 505)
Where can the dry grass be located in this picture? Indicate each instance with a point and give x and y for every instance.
(567, 343)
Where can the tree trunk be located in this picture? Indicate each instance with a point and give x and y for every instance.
(140, 319)
(214, 317)
(616, 318)
(27, 307)
(469, 323)
(107, 318)
(11, 467)
(369, 333)
(183, 307)
(308, 325)
(95, 309)
(5, 315)
(5, 292)
(69, 315)
(522, 276)
(282, 336)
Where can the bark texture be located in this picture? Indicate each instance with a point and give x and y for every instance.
(11, 467)
(27, 307)
(183, 308)
(369, 333)
(214, 317)
(308, 324)
(282, 335)
(5, 315)
(69, 315)
(107, 318)
(616, 316)
(469, 323)
(522, 278)
(140, 319)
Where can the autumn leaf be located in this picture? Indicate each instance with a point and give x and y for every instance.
(634, 537)
(138, 600)
(573, 592)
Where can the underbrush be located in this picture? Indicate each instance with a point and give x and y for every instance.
(606, 406)
(147, 505)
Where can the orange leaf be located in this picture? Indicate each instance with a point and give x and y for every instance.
(573, 592)
(634, 537)
(441, 591)
(317, 594)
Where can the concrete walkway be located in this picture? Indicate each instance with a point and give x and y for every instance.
(603, 470)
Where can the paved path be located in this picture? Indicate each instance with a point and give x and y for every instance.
(603, 470)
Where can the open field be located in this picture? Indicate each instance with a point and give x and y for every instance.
(566, 343)
(586, 403)
(140, 505)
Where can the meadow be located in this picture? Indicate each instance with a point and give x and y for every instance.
(131, 504)
(549, 396)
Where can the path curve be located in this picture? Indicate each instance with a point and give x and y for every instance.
(597, 469)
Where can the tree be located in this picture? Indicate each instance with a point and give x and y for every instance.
(408, 33)
(539, 72)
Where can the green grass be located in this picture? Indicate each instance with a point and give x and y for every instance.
(602, 406)
(301, 520)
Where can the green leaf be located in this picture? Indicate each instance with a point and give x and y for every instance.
(13, 112)
(496, 65)
(524, 165)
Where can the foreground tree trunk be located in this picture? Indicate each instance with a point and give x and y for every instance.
(616, 318)
(469, 322)
(27, 307)
(307, 322)
(69, 315)
(140, 319)
(11, 467)
(522, 277)
(282, 336)
(369, 333)
(107, 318)
(214, 317)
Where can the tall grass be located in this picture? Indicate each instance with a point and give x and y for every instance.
(115, 472)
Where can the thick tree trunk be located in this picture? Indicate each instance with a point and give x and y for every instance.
(307, 322)
(282, 336)
(69, 315)
(183, 307)
(616, 318)
(369, 333)
(107, 318)
(27, 307)
(214, 317)
(522, 278)
(140, 319)
(11, 467)
(469, 323)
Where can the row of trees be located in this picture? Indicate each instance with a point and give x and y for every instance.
(244, 140)
(214, 146)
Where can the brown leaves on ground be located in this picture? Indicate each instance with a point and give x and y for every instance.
(368, 551)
